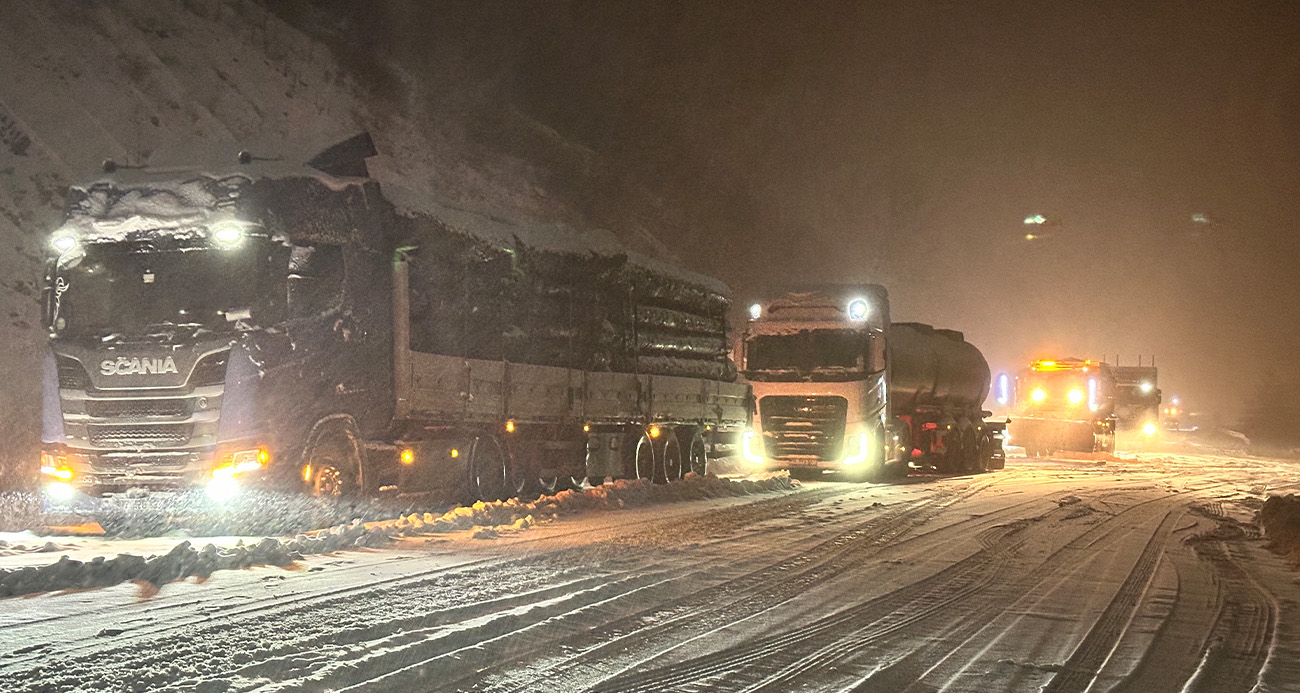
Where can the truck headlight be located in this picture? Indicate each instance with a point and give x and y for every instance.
(1076, 396)
(1149, 428)
(1038, 395)
(747, 451)
(224, 485)
(862, 453)
(60, 491)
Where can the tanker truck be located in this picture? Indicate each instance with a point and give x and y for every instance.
(1064, 404)
(840, 389)
(261, 324)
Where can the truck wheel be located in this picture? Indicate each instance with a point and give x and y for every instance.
(696, 449)
(950, 461)
(335, 460)
(970, 461)
(639, 456)
(674, 461)
(487, 469)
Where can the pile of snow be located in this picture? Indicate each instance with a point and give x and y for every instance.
(486, 520)
(19, 511)
(1280, 517)
(514, 514)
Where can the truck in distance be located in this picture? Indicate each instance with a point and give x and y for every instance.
(292, 327)
(1137, 400)
(840, 388)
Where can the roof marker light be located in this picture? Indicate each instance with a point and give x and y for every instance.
(858, 309)
(227, 234)
(63, 241)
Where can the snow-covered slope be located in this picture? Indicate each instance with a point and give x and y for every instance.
(191, 83)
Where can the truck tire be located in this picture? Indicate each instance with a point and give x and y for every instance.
(696, 449)
(335, 462)
(638, 454)
(950, 461)
(488, 469)
(971, 450)
(674, 459)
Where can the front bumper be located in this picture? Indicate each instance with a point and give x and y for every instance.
(857, 453)
(72, 476)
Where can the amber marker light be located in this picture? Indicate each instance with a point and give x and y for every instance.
(407, 456)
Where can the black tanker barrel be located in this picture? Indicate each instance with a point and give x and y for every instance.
(935, 368)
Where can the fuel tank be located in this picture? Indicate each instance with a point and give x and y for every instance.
(934, 367)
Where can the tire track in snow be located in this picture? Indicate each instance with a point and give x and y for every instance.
(1082, 667)
(623, 644)
(1242, 637)
(756, 666)
(772, 658)
(148, 648)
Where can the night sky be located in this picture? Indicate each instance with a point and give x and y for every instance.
(904, 143)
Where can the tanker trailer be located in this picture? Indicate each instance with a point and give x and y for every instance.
(1065, 404)
(938, 383)
(841, 389)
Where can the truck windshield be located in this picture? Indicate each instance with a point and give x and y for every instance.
(814, 354)
(121, 289)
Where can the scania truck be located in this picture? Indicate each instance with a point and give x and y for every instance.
(841, 389)
(298, 328)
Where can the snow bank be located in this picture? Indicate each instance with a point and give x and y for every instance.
(486, 520)
(1280, 517)
(515, 514)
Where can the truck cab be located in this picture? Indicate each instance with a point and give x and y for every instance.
(817, 361)
(1065, 404)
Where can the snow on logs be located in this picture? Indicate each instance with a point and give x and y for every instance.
(530, 300)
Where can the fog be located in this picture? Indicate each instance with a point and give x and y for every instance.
(905, 145)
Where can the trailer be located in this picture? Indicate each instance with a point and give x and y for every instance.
(300, 328)
(841, 389)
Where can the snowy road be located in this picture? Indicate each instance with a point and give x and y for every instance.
(1141, 574)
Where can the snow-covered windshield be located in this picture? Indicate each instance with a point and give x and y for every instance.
(813, 354)
(125, 289)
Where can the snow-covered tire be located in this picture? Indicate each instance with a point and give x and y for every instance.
(335, 462)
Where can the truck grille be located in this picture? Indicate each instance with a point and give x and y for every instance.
(157, 435)
(803, 427)
(137, 408)
(72, 375)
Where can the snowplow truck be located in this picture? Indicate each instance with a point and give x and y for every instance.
(1064, 404)
(298, 328)
(841, 389)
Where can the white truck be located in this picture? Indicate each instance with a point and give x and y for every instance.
(842, 389)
